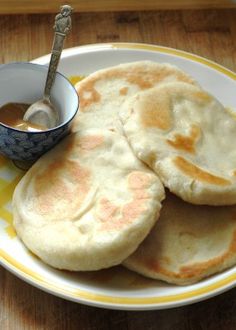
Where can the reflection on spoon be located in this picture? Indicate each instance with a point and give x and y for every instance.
(43, 112)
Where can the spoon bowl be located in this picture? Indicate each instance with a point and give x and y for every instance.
(42, 113)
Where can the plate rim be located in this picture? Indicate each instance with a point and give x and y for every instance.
(141, 46)
(119, 302)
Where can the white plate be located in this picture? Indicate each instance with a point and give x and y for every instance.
(115, 288)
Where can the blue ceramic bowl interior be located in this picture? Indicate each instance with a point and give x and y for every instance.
(24, 83)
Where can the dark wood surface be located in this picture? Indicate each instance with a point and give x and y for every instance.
(210, 33)
(45, 6)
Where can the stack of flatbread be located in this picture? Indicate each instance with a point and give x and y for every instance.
(98, 198)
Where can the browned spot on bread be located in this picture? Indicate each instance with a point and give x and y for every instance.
(193, 271)
(184, 142)
(197, 173)
(234, 172)
(155, 112)
(51, 187)
(200, 268)
(140, 76)
(133, 210)
(115, 217)
(202, 96)
(124, 91)
(90, 142)
(138, 180)
(147, 79)
(107, 210)
(155, 266)
(88, 95)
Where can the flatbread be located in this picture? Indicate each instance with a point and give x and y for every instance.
(88, 203)
(103, 93)
(188, 243)
(187, 137)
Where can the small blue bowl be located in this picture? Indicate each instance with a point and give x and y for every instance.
(24, 83)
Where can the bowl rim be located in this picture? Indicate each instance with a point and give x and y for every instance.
(44, 68)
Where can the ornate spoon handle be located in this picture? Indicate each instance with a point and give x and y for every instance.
(62, 27)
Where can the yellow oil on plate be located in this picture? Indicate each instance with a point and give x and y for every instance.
(117, 287)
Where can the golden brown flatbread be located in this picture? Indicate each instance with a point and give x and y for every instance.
(88, 203)
(104, 92)
(186, 136)
(188, 243)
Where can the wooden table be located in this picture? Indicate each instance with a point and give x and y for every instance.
(210, 33)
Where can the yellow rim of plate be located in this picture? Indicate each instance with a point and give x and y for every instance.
(84, 296)
(179, 53)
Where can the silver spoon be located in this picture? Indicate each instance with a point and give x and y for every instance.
(43, 112)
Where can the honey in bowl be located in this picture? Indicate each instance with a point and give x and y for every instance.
(11, 114)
